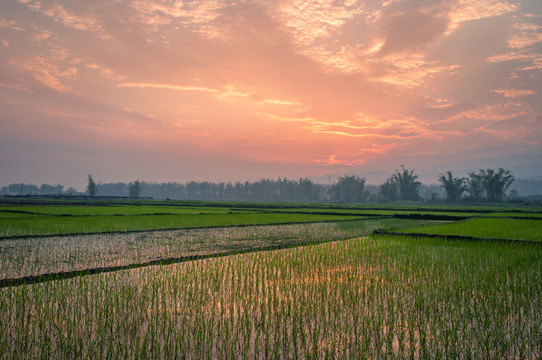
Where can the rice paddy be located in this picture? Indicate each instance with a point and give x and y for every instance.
(319, 290)
(512, 229)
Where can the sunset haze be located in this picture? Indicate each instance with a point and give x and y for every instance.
(242, 90)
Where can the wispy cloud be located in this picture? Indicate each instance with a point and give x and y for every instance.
(526, 35)
(512, 93)
(68, 18)
(463, 11)
(47, 71)
(165, 86)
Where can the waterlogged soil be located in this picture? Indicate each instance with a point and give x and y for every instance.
(36, 256)
(26, 257)
(370, 297)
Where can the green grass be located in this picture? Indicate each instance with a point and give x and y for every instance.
(376, 297)
(512, 229)
(52, 225)
(367, 297)
(113, 210)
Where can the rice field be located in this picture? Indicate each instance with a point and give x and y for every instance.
(512, 229)
(314, 290)
(39, 225)
(372, 297)
(32, 256)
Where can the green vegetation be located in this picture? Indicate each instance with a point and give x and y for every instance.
(92, 187)
(52, 225)
(349, 189)
(455, 187)
(115, 210)
(376, 297)
(295, 281)
(512, 229)
(23, 219)
(35, 256)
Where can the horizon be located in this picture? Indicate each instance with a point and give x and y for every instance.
(329, 181)
(240, 91)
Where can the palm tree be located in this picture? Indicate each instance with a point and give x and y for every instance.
(495, 184)
(349, 189)
(455, 187)
(408, 184)
(389, 191)
(474, 186)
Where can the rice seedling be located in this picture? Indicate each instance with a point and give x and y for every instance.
(55, 225)
(512, 229)
(35, 256)
(370, 297)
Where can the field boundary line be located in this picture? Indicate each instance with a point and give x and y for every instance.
(455, 237)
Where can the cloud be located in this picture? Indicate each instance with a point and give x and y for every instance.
(333, 159)
(285, 82)
(197, 16)
(470, 10)
(280, 102)
(71, 19)
(526, 35)
(527, 61)
(166, 86)
(412, 31)
(512, 93)
(311, 21)
(47, 71)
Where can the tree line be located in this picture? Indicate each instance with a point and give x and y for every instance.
(485, 185)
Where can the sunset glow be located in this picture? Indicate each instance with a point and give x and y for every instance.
(233, 90)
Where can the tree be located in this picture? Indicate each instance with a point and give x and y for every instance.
(92, 188)
(389, 191)
(408, 184)
(455, 187)
(348, 189)
(495, 184)
(134, 189)
(474, 186)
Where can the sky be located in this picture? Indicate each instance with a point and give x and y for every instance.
(218, 90)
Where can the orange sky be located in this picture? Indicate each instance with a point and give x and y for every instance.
(235, 90)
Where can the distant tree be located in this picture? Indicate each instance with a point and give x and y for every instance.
(307, 190)
(46, 189)
(408, 184)
(349, 189)
(455, 187)
(134, 189)
(495, 183)
(475, 187)
(389, 191)
(92, 187)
